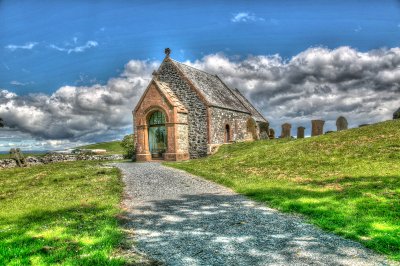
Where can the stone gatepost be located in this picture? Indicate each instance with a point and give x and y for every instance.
(317, 127)
(341, 123)
(286, 130)
(300, 132)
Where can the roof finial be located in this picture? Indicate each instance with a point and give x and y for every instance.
(167, 51)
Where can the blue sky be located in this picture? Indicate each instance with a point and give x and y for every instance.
(124, 30)
(295, 60)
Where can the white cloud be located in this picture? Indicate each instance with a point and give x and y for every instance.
(77, 49)
(26, 46)
(316, 83)
(79, 113)
(18, 83)
(245, 17)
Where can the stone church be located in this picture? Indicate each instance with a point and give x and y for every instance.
(186, 113)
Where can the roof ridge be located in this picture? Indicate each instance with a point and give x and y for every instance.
(245, 98)
(192, 67)
(233, 93)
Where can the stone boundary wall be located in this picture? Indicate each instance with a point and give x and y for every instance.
(55, 158)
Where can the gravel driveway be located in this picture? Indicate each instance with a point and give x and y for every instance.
(181, 219)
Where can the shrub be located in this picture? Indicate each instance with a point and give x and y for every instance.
(128, 146)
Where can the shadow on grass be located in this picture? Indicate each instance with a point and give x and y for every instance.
(365, 208)
(84, 235)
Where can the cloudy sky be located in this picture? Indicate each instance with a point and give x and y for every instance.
(72, 71)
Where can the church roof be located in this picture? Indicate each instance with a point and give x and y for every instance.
(212, 88)
(256, 115)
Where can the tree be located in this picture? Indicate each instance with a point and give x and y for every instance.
(128, 146)
(1, 122)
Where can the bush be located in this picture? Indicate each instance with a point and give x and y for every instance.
(128, 146)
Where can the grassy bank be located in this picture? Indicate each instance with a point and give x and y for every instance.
(61, 213)
(346, 182)
(112, 147)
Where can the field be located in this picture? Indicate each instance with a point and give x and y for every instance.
(52, 216)
(345, 182)
(112, 147)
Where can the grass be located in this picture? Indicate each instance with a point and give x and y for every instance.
(345, 182)
(112, 147)
(7, 156)
(61, 213)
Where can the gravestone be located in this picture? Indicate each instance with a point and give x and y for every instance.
(341, 123)
(252, 128)
(317, 127)
(396, 115)
(300, 132)
(286, 130)
(271, 133)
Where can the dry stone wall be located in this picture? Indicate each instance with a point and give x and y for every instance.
(55, 158)
(197, 111)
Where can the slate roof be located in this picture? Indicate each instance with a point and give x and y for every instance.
(213, 89)
(256, 115)
(217, 93)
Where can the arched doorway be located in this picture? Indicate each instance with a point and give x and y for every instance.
(157, 135)
(227, 134)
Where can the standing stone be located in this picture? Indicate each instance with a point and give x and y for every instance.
(317, 127)
(286, 130)
(341, 123)
(300, 132)
(396, 115)
(271, 133)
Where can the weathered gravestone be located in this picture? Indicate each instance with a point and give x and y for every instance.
(300, 132)
(19, 158)
(252, 128)
(396, 115)
(286, 130)
(317, 127)
(271, 133)
(341, 123)
(263, 130)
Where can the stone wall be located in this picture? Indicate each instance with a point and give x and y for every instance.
(54, 158)
(237, 122)
(197, 111)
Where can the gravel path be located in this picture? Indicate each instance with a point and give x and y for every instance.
(181, 219)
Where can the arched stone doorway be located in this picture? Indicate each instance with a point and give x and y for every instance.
(157, 135)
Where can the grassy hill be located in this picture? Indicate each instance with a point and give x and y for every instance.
(346, 182)
(112, 147)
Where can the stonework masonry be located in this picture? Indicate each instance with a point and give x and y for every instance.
(197, 111)
(300, 132)
(317, 127)
(237, 124)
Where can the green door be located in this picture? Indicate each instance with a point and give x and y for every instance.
(157, 134)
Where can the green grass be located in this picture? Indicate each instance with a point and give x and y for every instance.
(7, 156)
(112, 147)
(346, 182)
(61, 213)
